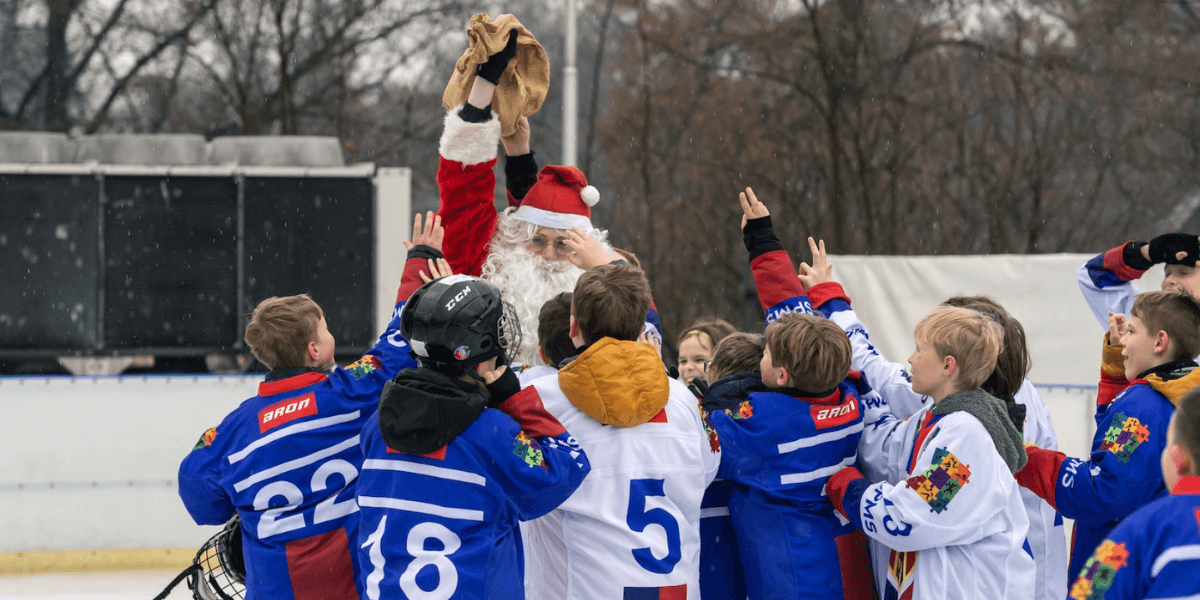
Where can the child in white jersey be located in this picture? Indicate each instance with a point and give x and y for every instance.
(947, 504)
(632, 529)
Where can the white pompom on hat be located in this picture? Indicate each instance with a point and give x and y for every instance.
(561, 199)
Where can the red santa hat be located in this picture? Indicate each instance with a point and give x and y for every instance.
(561, 199)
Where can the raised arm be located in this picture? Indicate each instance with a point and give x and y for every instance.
(887, 378)
(520, 166)
(1107, 279)
(466, 180)
(779, 291)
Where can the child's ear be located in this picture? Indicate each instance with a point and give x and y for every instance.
(783, 378)
(574, 333)
(1162, 342)
(1180, 459)
(949, 366)
(542, 355)
(313, 352)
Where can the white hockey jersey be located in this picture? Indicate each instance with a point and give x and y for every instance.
(632, 529)
(953, 515)
(1047, 540)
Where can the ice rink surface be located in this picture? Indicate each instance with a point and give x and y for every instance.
(109, 585)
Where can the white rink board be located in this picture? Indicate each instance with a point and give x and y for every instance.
(891, 293)
(90, 462)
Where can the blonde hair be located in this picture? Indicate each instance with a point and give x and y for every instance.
(281, 328)
(814, 351)
(973, 339)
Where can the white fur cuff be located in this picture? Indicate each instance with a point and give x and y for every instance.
(469, 143)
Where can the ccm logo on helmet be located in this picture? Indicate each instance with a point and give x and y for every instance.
(832, 416)
(286, 410)
(458, 297)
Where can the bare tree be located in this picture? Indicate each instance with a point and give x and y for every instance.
(934, 127)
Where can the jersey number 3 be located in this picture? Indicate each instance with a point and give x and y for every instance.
(639, 518)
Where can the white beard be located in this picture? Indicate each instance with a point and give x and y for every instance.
(526, 280)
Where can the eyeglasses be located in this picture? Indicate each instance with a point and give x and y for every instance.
(538, 243)
(706, 363)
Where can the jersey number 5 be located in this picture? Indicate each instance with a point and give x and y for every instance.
(639, 518)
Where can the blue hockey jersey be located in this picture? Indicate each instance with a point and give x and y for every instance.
(444, 524)
(1155, 553)
(1122, 474)
(287, 461)
(779, 451)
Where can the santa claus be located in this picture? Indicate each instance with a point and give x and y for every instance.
(539, 245)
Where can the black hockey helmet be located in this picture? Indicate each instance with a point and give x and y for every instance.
(456, 322)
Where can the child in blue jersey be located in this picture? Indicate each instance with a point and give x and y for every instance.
(734, 371)
(458, 455)
(781, 445)
(288, 459)
(1107, 283)
(944, 499)
(1121, 474)
(1155, 553)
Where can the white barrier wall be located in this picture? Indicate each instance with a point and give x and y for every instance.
(90, 462)
(891, 293)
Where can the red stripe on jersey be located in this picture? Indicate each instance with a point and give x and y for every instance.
(661, 417)
(320, 567)
(439, 454)
(674, 592)
(288, 409)
(825, 417)
(856, 566)
(926, 427)
(1187, 486)
(270, 388)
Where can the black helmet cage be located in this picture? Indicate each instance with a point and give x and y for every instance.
(221, 572)
(456, 322)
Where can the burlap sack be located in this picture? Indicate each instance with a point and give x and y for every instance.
(523, 86)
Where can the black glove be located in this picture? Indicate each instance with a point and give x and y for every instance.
(1164, 248)
(698, 387)
(498, 62)
(503, 388)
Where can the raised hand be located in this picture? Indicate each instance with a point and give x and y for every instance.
(1118, 324)
(586, 252)
(751, 207)
(517, 144)
(820, 271)
(429, 233)
(439, 268)
(1173, 249)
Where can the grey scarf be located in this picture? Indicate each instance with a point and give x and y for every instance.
(992, 413)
